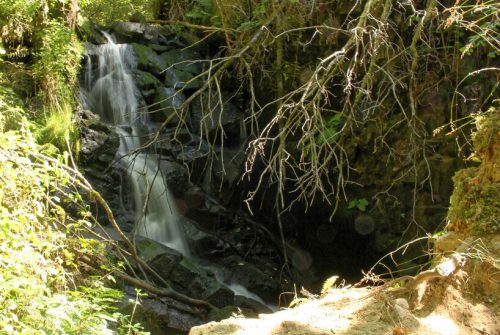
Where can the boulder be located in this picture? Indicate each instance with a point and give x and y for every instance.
(145, 81)
(160, 257)
(251, 304)
(184, 275)
(194, 197)
(227, 171)
(159, 316)
(177, 78)
(167, 102)
(176, 177)
(134, 31)
(200, 283)
(99, 142)
(254, 278)
(148, 60)
(210, 112)
(187, 60)
(193, 154)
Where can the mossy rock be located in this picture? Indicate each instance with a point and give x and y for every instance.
(146, 81)
(167, 101)
(475, 204)
(185, 60)
(487, 144)
(181, 79)
(148, 59)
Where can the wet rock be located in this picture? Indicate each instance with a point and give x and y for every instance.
(176, 177)
(186, 60)
(251, 305)
(133, 31)
(160, 48)
(145, 81)
(210, 113)
(147, 59)
(176, 78)
(160, 316)
(160, 257)
(206, 219)
(227, 171)
(255, 279)
(194, 155)
(99, 142)
(230, 311)
(94, 35)
(184, 276)
(171, 141)
(194, 197)
(167, 103)
(200, 283)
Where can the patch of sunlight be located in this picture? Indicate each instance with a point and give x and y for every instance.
(441, 324)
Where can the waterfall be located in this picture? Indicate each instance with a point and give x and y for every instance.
(110, 91)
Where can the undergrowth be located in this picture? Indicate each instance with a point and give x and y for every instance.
(101, 12)
(44, 288)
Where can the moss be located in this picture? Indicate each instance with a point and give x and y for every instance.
(487, 144)
(475, 204)
(11, 106)
(147, 59)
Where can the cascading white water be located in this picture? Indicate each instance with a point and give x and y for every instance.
(113, 95)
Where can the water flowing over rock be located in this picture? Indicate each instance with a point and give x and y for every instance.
(111, 92)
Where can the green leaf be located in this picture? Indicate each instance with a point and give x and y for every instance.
(362, 204)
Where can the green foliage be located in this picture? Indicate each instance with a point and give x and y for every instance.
(41, 247)
(328, 132)
(40, 28)
(59, 128)
(360, 204)
(11, 106)
(126, 324)
(34, 281)
(57, 64)
(105, 13)
(481, 18)
(202, 10)
(16, 18)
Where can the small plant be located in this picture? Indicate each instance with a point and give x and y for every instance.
(329, 284)
(360, 204)
(126, 325)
